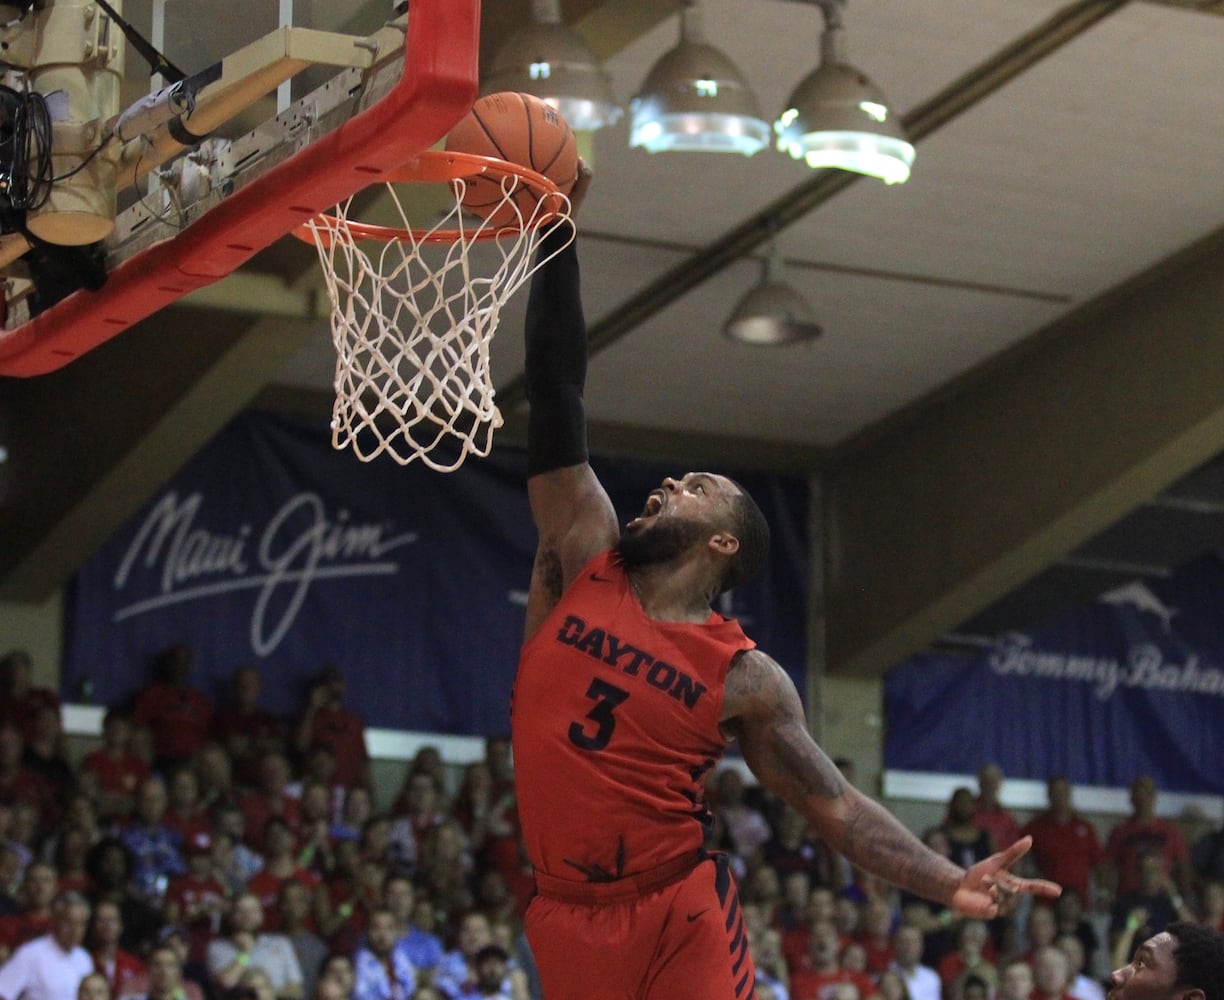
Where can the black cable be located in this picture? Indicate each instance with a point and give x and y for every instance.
(28, 172)
(86, 161)
(158, 63)
(37, 149)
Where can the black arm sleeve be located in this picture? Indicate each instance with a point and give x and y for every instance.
(556, 342)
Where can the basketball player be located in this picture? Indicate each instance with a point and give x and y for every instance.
(629, 688)
(1183, 962)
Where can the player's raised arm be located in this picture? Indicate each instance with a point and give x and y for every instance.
(573, 516)
(763, 712)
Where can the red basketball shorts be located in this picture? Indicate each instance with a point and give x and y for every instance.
(685, 941)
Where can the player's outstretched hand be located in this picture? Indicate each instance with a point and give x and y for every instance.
(989, 889)
(579, 190)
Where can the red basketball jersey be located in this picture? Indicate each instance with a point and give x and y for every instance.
(615, 725)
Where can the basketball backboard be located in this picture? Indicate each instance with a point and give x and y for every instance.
(281, 114)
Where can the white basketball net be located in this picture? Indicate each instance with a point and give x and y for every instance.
(412, 322)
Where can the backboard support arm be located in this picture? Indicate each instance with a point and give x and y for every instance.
(438, 84)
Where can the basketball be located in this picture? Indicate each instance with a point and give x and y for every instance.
(524, 130)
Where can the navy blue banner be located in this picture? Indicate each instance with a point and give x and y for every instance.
(270, 548)
(1132, 684)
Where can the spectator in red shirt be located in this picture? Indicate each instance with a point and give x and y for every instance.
(797, 940)
(21, 784)
(339, 908)
(1066, 848)
(876, 935)
(38, 890)
(177, 715)
(123, 970)
(280, 865)
(270, 799)
(1144, 832)
(328, 722)
(974, 955)
(19, 698)
(821, 972)
(197, 900)
(245, 730)
(113, 769)
(988, 812)
(46, 756)
(71, 848)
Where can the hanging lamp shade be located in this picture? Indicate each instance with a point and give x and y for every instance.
(837, 117)
(772, 312)
(551, 61)
(695, 99)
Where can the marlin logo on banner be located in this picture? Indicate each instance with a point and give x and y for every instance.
(298, 546)
(1113, 690)
(1140, 596)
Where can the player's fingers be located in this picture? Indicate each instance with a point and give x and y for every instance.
(1011, 855)
(1039, 887)
(583, 181)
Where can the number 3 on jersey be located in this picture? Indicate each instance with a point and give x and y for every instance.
(606, 697)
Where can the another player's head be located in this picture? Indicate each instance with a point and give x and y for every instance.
(1183, 962)
(701, 512)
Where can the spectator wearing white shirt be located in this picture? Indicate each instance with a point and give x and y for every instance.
(229, 958)
(922, 982)
(51, 967)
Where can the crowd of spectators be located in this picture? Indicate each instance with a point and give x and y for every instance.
(217, 852)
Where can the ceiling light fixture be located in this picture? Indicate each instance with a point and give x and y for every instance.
(695, 99)
(836, 117)
(551, 61)
(772, 312)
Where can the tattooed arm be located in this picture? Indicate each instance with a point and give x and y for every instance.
(761, 710)
(575, 522)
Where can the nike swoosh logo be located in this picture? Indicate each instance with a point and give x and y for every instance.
(601, 579)
(694, 916)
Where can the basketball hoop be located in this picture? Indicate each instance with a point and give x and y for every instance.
(412, 321)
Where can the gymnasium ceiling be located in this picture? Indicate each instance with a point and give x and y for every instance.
(1018, 399)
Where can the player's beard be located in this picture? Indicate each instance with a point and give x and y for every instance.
(661, 542)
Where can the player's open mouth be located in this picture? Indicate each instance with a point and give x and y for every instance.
(654, 504)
